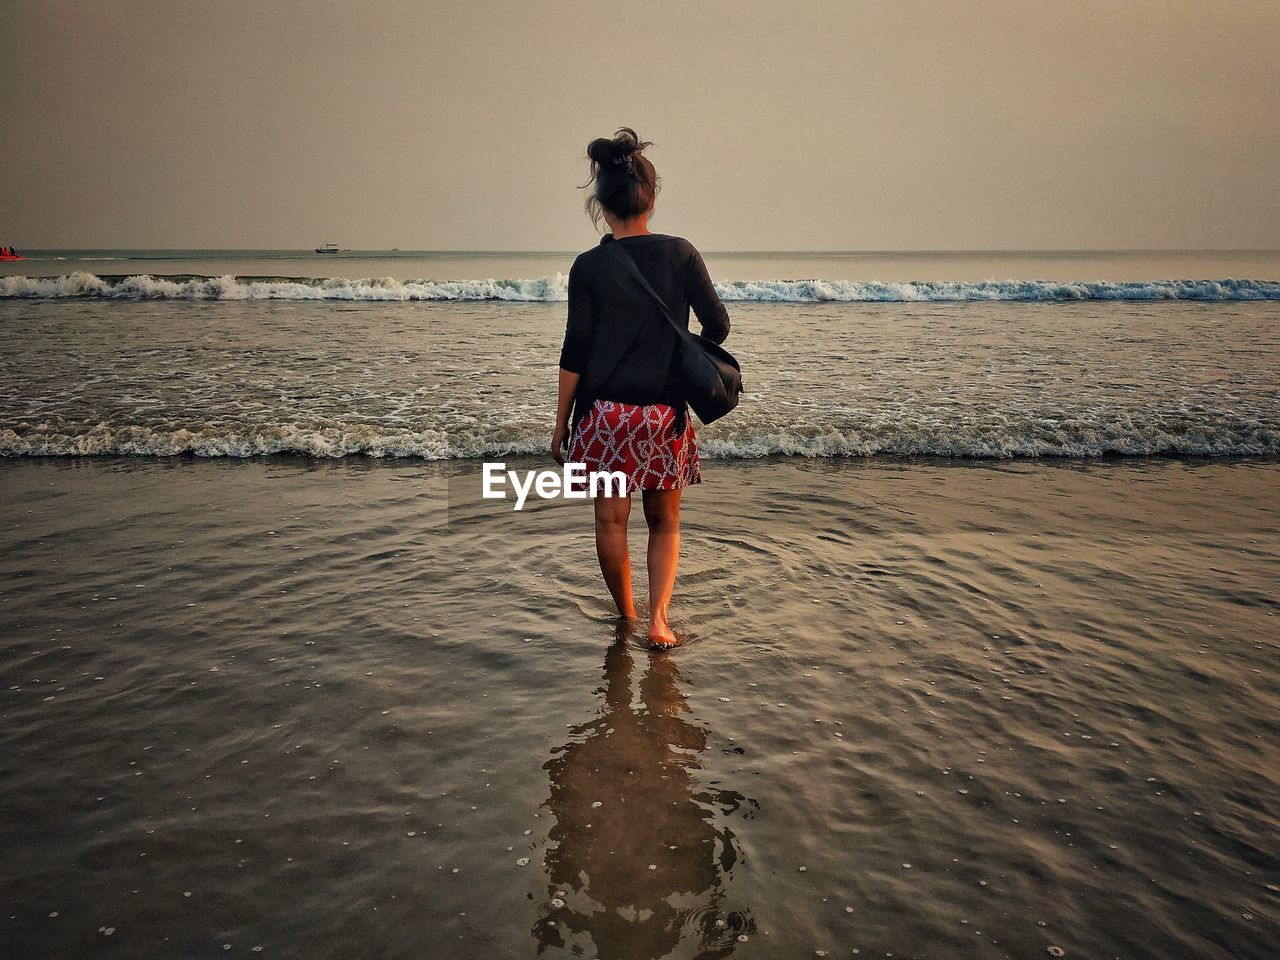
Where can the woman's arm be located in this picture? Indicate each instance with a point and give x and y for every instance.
(564, 403)
(577, 332)
(702, 296)
(573, 357)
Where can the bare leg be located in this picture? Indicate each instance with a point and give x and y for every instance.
(611, 548)
(662, 511)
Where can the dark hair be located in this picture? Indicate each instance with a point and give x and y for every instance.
(625, 181)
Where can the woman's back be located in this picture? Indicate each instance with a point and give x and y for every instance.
(616, 335)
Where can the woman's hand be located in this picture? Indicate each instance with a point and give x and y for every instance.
(559, 438)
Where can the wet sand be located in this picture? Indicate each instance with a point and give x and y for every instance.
(298, 708)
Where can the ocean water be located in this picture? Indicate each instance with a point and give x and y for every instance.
(452, 355)
(322, 709)
(964, 671)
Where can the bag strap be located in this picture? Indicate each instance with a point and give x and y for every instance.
(629, 265)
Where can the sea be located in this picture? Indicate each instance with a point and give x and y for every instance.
(977, 608)
(442, 355)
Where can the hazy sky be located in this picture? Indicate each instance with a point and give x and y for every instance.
(778, 125)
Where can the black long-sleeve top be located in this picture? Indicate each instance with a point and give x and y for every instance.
(616, 336)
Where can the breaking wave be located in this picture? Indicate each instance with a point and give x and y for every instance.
(1015, 437)
(554, 288)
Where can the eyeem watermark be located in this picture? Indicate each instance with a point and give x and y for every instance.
(573, 482)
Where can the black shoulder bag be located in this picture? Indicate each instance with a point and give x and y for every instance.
(708, 375)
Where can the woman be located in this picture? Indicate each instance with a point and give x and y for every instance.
(617, 373)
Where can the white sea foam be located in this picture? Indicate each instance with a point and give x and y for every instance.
(910, 437)
(814, 291)
(554, 288)
(144, 287)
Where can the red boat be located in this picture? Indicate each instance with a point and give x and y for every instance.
(8, 253)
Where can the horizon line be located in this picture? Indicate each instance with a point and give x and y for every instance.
(866, 250)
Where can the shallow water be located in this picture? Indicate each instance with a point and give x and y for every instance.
(447, 380)
(927, 709)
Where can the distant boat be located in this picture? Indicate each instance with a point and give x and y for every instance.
(8, 253)
(328, 248)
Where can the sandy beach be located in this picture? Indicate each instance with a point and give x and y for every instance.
(925, 708)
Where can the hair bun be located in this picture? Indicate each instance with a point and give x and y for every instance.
(602, 150)
(624, 179)
(619, 150)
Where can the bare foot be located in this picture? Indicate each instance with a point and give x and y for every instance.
(661, 635)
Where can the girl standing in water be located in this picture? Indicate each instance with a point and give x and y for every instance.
(620, 407)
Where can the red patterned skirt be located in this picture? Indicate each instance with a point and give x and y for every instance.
(637, 441)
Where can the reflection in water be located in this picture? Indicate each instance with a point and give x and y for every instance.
(639, 856)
